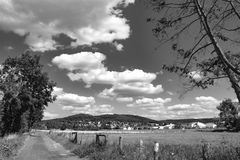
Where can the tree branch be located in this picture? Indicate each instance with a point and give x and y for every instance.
(217, 48)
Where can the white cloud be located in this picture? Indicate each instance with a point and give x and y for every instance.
(180, 107)
(107, 94)
(10, 48)
(70, 99)
(67, 108)
(84, 61)
(170, 93)
(48, 115)
(74, 99)
(95, 109)
(57, 91)
(41, 20)
(124, 99)
(118, 46)
(89, 68)
(204, 107)
(207, 100)
(79, 104)
(137, 87)
(143, 102)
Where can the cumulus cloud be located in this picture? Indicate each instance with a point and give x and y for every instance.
(89, 67)
(74, 99)
(68, 108)
(137, 87)
(9, 48)
(48, 115)
(143, 102)
(207, 100)
(170, 93)
(70, 99)
(84, 61)
(118, 46)
(124, 99)
(204, 107)
(107, 94)
(57, 91)
(84, 21)
(95, 109)
(79, 104)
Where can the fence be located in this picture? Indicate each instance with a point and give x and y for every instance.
(102, 140)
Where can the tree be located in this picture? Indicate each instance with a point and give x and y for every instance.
(228, 113)
(26, 92)
(205, 36)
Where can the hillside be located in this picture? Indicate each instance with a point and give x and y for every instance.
(105, 117)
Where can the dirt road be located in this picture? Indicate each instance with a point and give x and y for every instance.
(41, 147)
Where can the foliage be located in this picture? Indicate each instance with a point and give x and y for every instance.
(228, 113)
(26, 92)
(204, 38)
(10, 145)
(107, 117)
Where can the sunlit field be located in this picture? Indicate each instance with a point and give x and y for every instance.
(173, 144)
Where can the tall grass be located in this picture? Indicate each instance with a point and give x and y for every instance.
(166, 152)
(133, 151)
(9, 146)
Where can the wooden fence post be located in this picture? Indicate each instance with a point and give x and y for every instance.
(155, 151)
(74, 137)
(120, 144)
(79, 141)
(141, 147)
(98, 142)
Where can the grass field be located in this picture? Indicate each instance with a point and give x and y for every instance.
(188, 137)
(173, 145)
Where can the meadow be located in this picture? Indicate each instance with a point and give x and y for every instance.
(173, 145)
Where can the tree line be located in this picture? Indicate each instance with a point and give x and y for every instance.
(26, 91)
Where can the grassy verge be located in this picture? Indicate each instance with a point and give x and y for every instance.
(133, 151)
(10, 145)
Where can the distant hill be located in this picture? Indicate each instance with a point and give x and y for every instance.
(125, 118)
(128, 118)
(105, 117)
(89, 122)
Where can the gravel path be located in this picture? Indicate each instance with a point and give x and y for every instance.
(41, 147)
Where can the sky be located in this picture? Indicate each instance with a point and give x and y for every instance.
(104, 58)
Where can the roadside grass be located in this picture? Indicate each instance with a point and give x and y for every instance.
(208, 148)
(10, 145)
